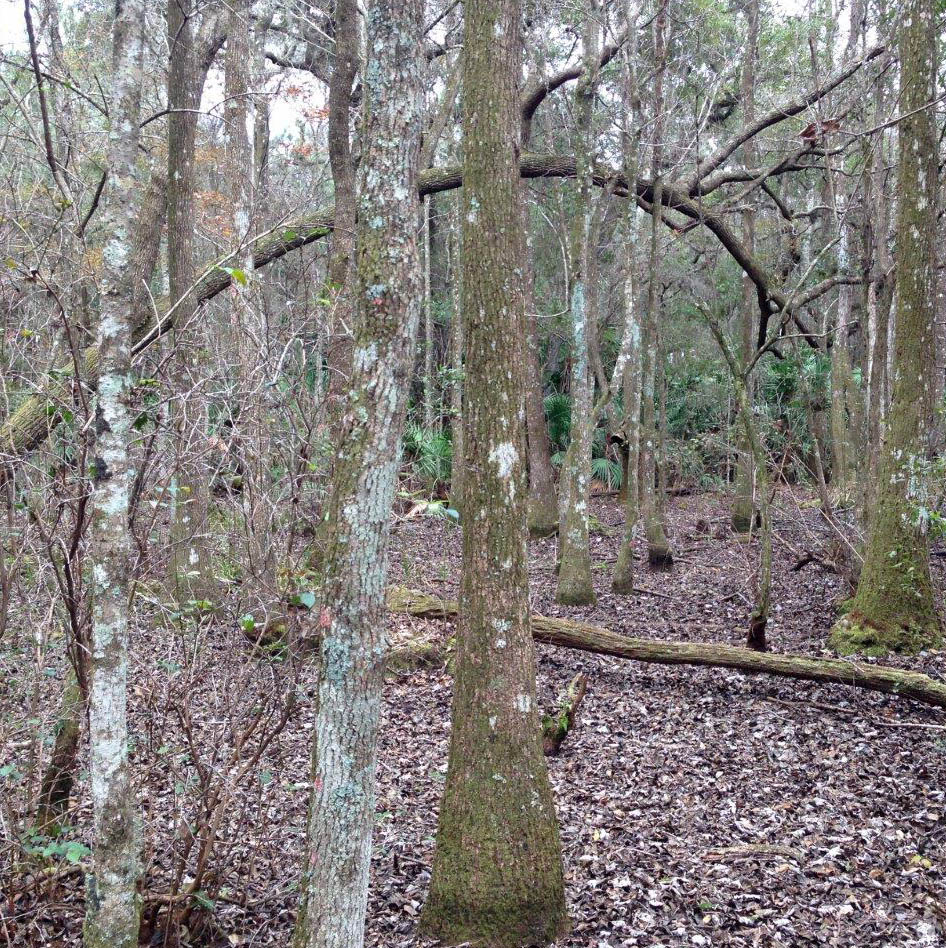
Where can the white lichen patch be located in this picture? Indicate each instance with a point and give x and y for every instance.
(504, 456)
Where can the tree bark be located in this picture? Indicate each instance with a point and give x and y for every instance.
(342, 257)
(575, 586)
(622, 580)
(894, 608)
(585, 637)
(743, 510)
(364, 480)
(113, 905)
(189, 567)
(659, 553)
(497, 874)
(250, 333)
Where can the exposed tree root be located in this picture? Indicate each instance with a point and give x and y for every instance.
(593, 638)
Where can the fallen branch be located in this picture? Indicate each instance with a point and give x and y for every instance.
(592, 638)
(556, 728)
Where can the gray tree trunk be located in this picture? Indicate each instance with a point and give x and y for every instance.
(113, 906)
(364, 479)
(575, 586)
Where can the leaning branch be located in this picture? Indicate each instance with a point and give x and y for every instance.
(773, 117)
(592, 638)
(39, 414)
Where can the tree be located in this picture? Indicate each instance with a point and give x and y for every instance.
(575, 586)
(342, 257)
(189, 489)
(622, 580)
(894, 607)
(497, 875)
(363, 482)
(113, 905)
(743, 512)
(652, 506)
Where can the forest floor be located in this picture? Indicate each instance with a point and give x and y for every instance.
(697, 806)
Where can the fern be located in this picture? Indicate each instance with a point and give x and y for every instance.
(608, 472)
(558, 416)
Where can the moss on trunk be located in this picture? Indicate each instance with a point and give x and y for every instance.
(894, 607)
(497, 877)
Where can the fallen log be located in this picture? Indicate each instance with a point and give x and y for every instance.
(593, 638)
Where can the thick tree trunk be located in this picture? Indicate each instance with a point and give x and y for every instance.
(584, 637)
(894, 608)
(575, 586)
(497, 874)
(364, 479)
(113, 905)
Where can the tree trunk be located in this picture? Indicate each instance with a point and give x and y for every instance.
(575, 586)
(497, 874)
(585, 637)
(659, 553)
(456, 361)
(742, 515)
(113, 905)
(622, 581)
(894, 608)
(250, 331)
(190, 576)
(60, 772)
(430, 384)
(364, 480)
(543, 502)
(342, 256)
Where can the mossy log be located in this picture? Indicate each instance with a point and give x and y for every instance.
(593, 638)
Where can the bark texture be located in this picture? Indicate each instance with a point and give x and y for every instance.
(342, 258)
(364, 479)
(113, 904)
(894, 607)
(575, 586)
(497, 875)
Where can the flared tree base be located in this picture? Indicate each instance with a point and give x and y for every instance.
(454, 920)
(855, 633)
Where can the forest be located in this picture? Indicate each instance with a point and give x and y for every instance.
(472, 472)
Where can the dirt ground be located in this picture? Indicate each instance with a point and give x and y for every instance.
(697, 806)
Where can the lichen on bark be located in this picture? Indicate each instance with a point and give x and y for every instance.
(497, 877)
(363, 482)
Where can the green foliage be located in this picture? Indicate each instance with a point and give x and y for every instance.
(558, 417)
(429, 455)
(608, 472)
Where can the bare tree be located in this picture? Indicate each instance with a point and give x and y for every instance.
(364, 478)
(113, 904)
